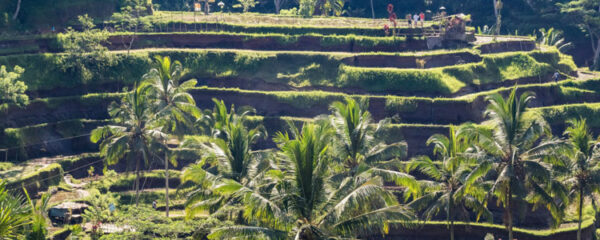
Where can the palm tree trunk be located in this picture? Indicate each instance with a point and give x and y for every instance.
(14, 17)
(509, 209)
(451, 214)
(166, 183)
(580, 214)
(372, 10)
(137, 182)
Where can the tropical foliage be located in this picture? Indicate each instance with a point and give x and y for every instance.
(172, 105)
(305, 202)
(456, 187)
(12, 91)
(521, 152)
(14, 214)
(228, 162)
(579, 169)
(135, 131)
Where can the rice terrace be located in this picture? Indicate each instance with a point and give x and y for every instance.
(300, 119)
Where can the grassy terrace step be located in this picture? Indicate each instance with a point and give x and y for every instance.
(308, 104)
(295, 69)
(310, 42)
(439, 230)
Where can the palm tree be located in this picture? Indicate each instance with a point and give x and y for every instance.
(518, 147)
(580, 169)
(214, 123)
(306, 202)
(359, 145)
(14, 214)
(457, 179)
(173, 104)
(134, 130)
(228, 158)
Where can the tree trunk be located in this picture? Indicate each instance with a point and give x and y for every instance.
(509, 209)
(17, 10)
(597, 55)
(372, 10)
(137, 182)
(451, 215)
(206, 7)
(498, 15)
(167, 183)
(580, 213)
(277, 6)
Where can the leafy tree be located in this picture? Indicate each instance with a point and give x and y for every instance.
(85, 48)
(518, 148)
(457, 184)
(129, 19)
(306, 203)
(586, 15)
(173, 104)
(99, 210)
(12, 91)
(307, 7)
(580, 169)
(359, 144)
(14, 214)
(247, 4)
(227, 160)
(135, 130)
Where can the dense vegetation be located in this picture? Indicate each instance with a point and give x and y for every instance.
(316, 122)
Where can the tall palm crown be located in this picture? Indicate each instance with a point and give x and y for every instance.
(228, 158)
(306, 202)
(518, 147)
(134, 130)
(457, 184)
(359, 146)
(580, 170)
(215, 122)
(172, 100)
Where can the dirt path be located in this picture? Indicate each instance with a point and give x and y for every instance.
(488, 39)
(586, 75)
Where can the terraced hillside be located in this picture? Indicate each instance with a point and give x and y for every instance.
(284, 77)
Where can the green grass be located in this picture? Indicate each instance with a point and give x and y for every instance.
(39, 179)
(557, 115)
(292, 68)
(535, 233)
(5, 166)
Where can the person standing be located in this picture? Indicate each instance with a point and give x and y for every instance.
(422, 17)
(408, 19)
(556, 76)
(416, 20)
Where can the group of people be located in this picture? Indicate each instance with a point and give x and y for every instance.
(416, 19)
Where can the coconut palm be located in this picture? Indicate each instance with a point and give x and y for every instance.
(172, 103)
(134, 131)
(580, 169)
(305, 202)
(14, 214)
(518, 147)
(215, 122)
(359, 145)
(457, 184)
(226, 159)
